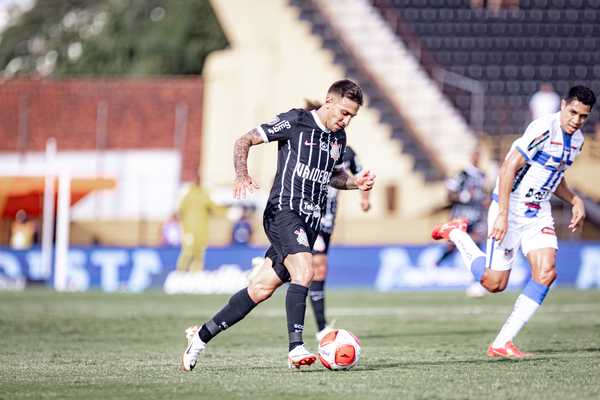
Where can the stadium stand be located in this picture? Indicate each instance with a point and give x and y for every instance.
(510, 51)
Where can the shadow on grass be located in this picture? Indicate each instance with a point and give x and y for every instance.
(464, 332)
(563, 350)
(413, 364)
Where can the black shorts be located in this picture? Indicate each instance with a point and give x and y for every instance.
(289, 234)
(321, 245)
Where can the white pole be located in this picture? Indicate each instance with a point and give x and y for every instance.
(61, 262)
(48, 216)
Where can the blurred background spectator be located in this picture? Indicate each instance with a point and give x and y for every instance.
(22, 231)
(543, 102)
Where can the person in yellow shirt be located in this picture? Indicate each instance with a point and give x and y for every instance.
(194, 212)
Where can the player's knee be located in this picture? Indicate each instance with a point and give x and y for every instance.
(494, 286)
(303, 276)
(259, 292)
(547, 276)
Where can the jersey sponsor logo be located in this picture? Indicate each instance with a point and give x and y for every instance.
(335, 152)
(312, 174)
(538, 140)
(279, 126)
(301, 237)
(539, 195)
(309, 208)
(548, 230)
(556, 143)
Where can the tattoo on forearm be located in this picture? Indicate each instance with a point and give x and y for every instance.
(241, 149)
(342, 180)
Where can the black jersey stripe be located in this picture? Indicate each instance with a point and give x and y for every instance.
(283, 174)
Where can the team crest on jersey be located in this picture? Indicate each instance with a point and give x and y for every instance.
(335, 152)
(301, 237)
(508, 253)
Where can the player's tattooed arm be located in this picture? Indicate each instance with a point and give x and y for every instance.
(341, 179)
(243, 181)
(240, 151)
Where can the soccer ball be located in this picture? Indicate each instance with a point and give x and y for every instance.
(339, 349)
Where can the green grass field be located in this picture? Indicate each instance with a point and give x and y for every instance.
(415, 346)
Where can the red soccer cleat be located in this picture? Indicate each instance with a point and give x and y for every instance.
(443, 231)
(508, 351)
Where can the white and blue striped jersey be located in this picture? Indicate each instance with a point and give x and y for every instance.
(307, 155)
(548, 152)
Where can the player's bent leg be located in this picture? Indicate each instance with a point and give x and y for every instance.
(299, 265)
(543, 274)
(264, 282)
(240, 304)
(495, 281)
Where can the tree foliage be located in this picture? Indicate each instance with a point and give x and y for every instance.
(111, 38)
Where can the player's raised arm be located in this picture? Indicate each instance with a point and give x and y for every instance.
(341, 179)
(508, 170)
(243, 181)
(578, 211)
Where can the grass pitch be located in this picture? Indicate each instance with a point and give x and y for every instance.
(415, 346)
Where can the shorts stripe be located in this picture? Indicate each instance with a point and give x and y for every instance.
(491, 252)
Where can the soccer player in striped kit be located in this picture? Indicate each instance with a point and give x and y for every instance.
(520, 213)
(310, 148)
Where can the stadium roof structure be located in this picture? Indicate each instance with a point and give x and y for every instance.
(27, 193)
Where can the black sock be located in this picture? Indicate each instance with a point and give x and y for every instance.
(295, 307)
(317, 299)
(240, 304)
(445, 255)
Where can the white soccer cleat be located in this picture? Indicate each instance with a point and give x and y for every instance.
(321, 334)
(194, 348)
(299, 356)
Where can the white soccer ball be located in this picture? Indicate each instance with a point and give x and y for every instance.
(339, 350)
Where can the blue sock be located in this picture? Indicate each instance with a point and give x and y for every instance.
(536, 291)
(478, 267)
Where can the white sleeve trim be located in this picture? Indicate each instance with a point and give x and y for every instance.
(262, 134)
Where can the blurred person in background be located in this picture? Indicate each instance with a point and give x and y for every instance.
(241, 231)
(170, 231)
(469, 199)
(310, 148)
(520, 215)
(22, 231)
(321, 248)
(194, 212)
(545, 101)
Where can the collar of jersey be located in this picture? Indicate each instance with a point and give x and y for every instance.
(318, 121)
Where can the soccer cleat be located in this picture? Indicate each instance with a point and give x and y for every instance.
(443, 231)
(510, 350)
(299, 356)
(194, 348)
(321, 334)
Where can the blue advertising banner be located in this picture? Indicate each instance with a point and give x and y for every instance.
(384, 268)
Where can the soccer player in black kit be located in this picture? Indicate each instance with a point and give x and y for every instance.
(310, 148)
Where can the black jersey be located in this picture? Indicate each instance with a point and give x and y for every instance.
(307, 154)
(349, 163)
(469, 185)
